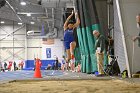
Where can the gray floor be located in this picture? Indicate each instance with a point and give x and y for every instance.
(22, 75)
(46, 75)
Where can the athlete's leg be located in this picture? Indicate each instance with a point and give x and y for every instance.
(68, 54)
(67, 65)
(68, 58)
(72, 47)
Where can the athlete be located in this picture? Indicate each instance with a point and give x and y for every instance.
(69, 42)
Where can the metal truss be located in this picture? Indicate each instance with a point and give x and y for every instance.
(8, 49)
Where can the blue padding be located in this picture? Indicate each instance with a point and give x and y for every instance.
(29, 64)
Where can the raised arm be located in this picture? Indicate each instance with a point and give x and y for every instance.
(77, 20)
(66, 22)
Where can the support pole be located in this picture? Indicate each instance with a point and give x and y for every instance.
(13, 42)
(26, 42)
(108, 15)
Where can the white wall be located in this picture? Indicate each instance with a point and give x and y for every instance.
(129, 10)
(37, 49)
(34, 47)
(57, 49)
(7, 52)
(15, 49)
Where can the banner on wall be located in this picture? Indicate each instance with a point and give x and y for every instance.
(48, 41)
(48, 52)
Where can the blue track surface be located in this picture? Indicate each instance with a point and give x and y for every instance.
(21, 75)
(46, 75)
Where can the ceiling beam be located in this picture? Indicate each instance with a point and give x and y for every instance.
(30, 13)
(13, 10)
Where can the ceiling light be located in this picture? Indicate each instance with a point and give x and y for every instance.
(2, 22)
(28, 14)
(23, 3)
(30, 33)
(19, 23)
(32, 22)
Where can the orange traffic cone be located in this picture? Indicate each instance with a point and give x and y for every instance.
(37, 73)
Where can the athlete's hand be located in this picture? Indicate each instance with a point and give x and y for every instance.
(72, 12)
(76, 14)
